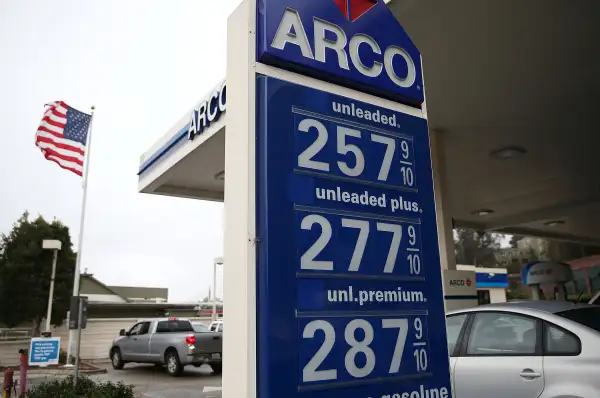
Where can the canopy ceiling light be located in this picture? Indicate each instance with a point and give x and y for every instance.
(483, 212)
(554, 223)
(508, 152)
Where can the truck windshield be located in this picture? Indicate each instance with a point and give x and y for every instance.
(589, 317)
(174, 326)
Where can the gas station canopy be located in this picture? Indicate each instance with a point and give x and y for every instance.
(514, 106)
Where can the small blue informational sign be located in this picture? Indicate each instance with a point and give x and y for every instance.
(350, 301)
(354, 43)
(44, 351)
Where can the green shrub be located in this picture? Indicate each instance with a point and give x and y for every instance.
(86, 388)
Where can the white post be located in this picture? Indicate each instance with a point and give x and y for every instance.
(51, 293)
(214, 292)
(239, 337)
(76, 277)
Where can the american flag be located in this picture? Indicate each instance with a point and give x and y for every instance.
(62, 136)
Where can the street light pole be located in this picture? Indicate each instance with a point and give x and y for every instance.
(216, 261)
(55, 246)
(51, 293)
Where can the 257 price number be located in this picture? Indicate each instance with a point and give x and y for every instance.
(390, 158)
(359, 348)
(383, 243)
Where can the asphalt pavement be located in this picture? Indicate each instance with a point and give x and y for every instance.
(154, 382)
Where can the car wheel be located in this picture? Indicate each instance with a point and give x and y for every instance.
(117, 359)
(217, 368)
(174, 367)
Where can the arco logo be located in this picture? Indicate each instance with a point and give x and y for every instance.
(354, 9)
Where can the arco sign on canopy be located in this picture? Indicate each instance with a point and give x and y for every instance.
(335, 40)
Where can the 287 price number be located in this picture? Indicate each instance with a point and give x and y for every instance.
(352, 162)
(382, 258)
(362, 355)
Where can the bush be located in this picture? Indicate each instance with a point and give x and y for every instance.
(86, 388)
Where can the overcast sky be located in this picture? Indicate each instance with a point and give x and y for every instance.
(142, 64)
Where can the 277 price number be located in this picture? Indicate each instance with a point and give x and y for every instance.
(365, 353)
(367, 238)
(393, 156)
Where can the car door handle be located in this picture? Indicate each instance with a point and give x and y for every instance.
(135, 338)
(529, 374)
(216, 338)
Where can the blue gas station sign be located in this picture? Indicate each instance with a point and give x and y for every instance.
(44, 351)
(349, 287)
(350, 301)
(356, 43)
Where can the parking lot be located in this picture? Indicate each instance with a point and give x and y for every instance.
(154, 382)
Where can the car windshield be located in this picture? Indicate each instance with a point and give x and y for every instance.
(589, 316)
(200, 328)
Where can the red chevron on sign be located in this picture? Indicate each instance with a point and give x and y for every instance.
(354, 9)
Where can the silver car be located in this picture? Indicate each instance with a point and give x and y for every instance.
(525, 349)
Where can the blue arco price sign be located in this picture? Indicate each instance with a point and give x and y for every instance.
(350, 303)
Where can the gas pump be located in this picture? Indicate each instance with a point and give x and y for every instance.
(542, 273)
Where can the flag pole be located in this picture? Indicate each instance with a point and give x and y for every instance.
(77, 276)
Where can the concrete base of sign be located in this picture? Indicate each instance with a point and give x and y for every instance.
(460, 290)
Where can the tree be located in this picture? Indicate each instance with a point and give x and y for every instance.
(25, 271)
(514, 241)
(476, 247)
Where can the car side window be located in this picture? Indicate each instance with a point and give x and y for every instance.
(501, 334)
(144, 329)
(454, 324)
(220, 328)
(558, 341)
(135, 330)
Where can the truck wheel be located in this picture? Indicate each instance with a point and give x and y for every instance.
(217, 368)
(174, 367)
(117, 359)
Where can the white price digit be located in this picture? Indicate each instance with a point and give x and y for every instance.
(405, 149)
(361, 241)
(414, 263)
(419, 328)
(310, 372)
(408, 176)
(402, 326)
(305, 159)
(307, 261)
(412, 235)
(396, 230)
(343, 149)
(421, 359)
(390, 148)
(359, 346)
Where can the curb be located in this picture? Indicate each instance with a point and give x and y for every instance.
(93, 371)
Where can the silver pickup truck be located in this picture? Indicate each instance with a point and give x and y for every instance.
(167, 341)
